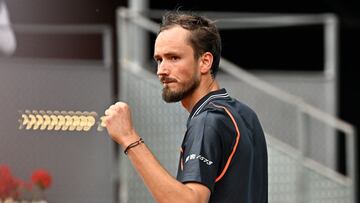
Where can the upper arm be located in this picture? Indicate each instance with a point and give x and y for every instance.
(200, 192)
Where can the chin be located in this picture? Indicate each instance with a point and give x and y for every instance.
(172, 96)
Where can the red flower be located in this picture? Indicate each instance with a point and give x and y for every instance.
(41, 178)
(8, 184)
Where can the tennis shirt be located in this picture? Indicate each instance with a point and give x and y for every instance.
(224, 148)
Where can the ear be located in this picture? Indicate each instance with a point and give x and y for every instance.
(206, 61)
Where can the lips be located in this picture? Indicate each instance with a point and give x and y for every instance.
(166, 80)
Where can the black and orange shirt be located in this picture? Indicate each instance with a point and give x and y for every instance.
(224, 148)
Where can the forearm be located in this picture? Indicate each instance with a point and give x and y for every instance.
(160, 183)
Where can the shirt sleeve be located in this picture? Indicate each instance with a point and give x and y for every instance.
(204, 148)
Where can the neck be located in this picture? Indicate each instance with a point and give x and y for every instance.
(189, 102)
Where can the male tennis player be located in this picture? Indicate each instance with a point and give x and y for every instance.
(224, 155)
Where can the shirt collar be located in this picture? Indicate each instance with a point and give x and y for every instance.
(221, 93)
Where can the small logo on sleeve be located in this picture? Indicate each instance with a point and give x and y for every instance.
(199, 157)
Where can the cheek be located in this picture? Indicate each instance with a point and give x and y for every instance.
(185, 76)
(185, 72)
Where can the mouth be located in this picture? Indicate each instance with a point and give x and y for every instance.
(165, 81)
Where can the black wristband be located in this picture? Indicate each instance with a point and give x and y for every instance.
(134, 144)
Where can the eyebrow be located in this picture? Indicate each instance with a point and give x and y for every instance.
(156, 56)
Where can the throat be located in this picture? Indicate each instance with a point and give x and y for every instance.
(190, 101)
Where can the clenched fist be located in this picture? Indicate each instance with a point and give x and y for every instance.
(119, 125)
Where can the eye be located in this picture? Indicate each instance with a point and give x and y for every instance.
(174, 58)
(158, 60)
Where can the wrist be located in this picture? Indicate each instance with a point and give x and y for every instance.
(133, 144)
(128, 139)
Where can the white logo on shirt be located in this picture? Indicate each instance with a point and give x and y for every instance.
(200, 157)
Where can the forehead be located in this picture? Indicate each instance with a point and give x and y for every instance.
(172, 39)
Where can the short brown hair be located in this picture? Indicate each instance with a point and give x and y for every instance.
(204, 36)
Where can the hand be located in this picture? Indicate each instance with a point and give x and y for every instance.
(119, 125)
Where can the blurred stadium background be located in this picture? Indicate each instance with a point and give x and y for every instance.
(293, 62)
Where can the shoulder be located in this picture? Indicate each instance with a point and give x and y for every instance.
(212, 120)
(239, 111)
(209, 115)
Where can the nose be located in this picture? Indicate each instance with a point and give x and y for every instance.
(162, 69)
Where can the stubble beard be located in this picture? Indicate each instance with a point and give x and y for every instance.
(171, 96)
